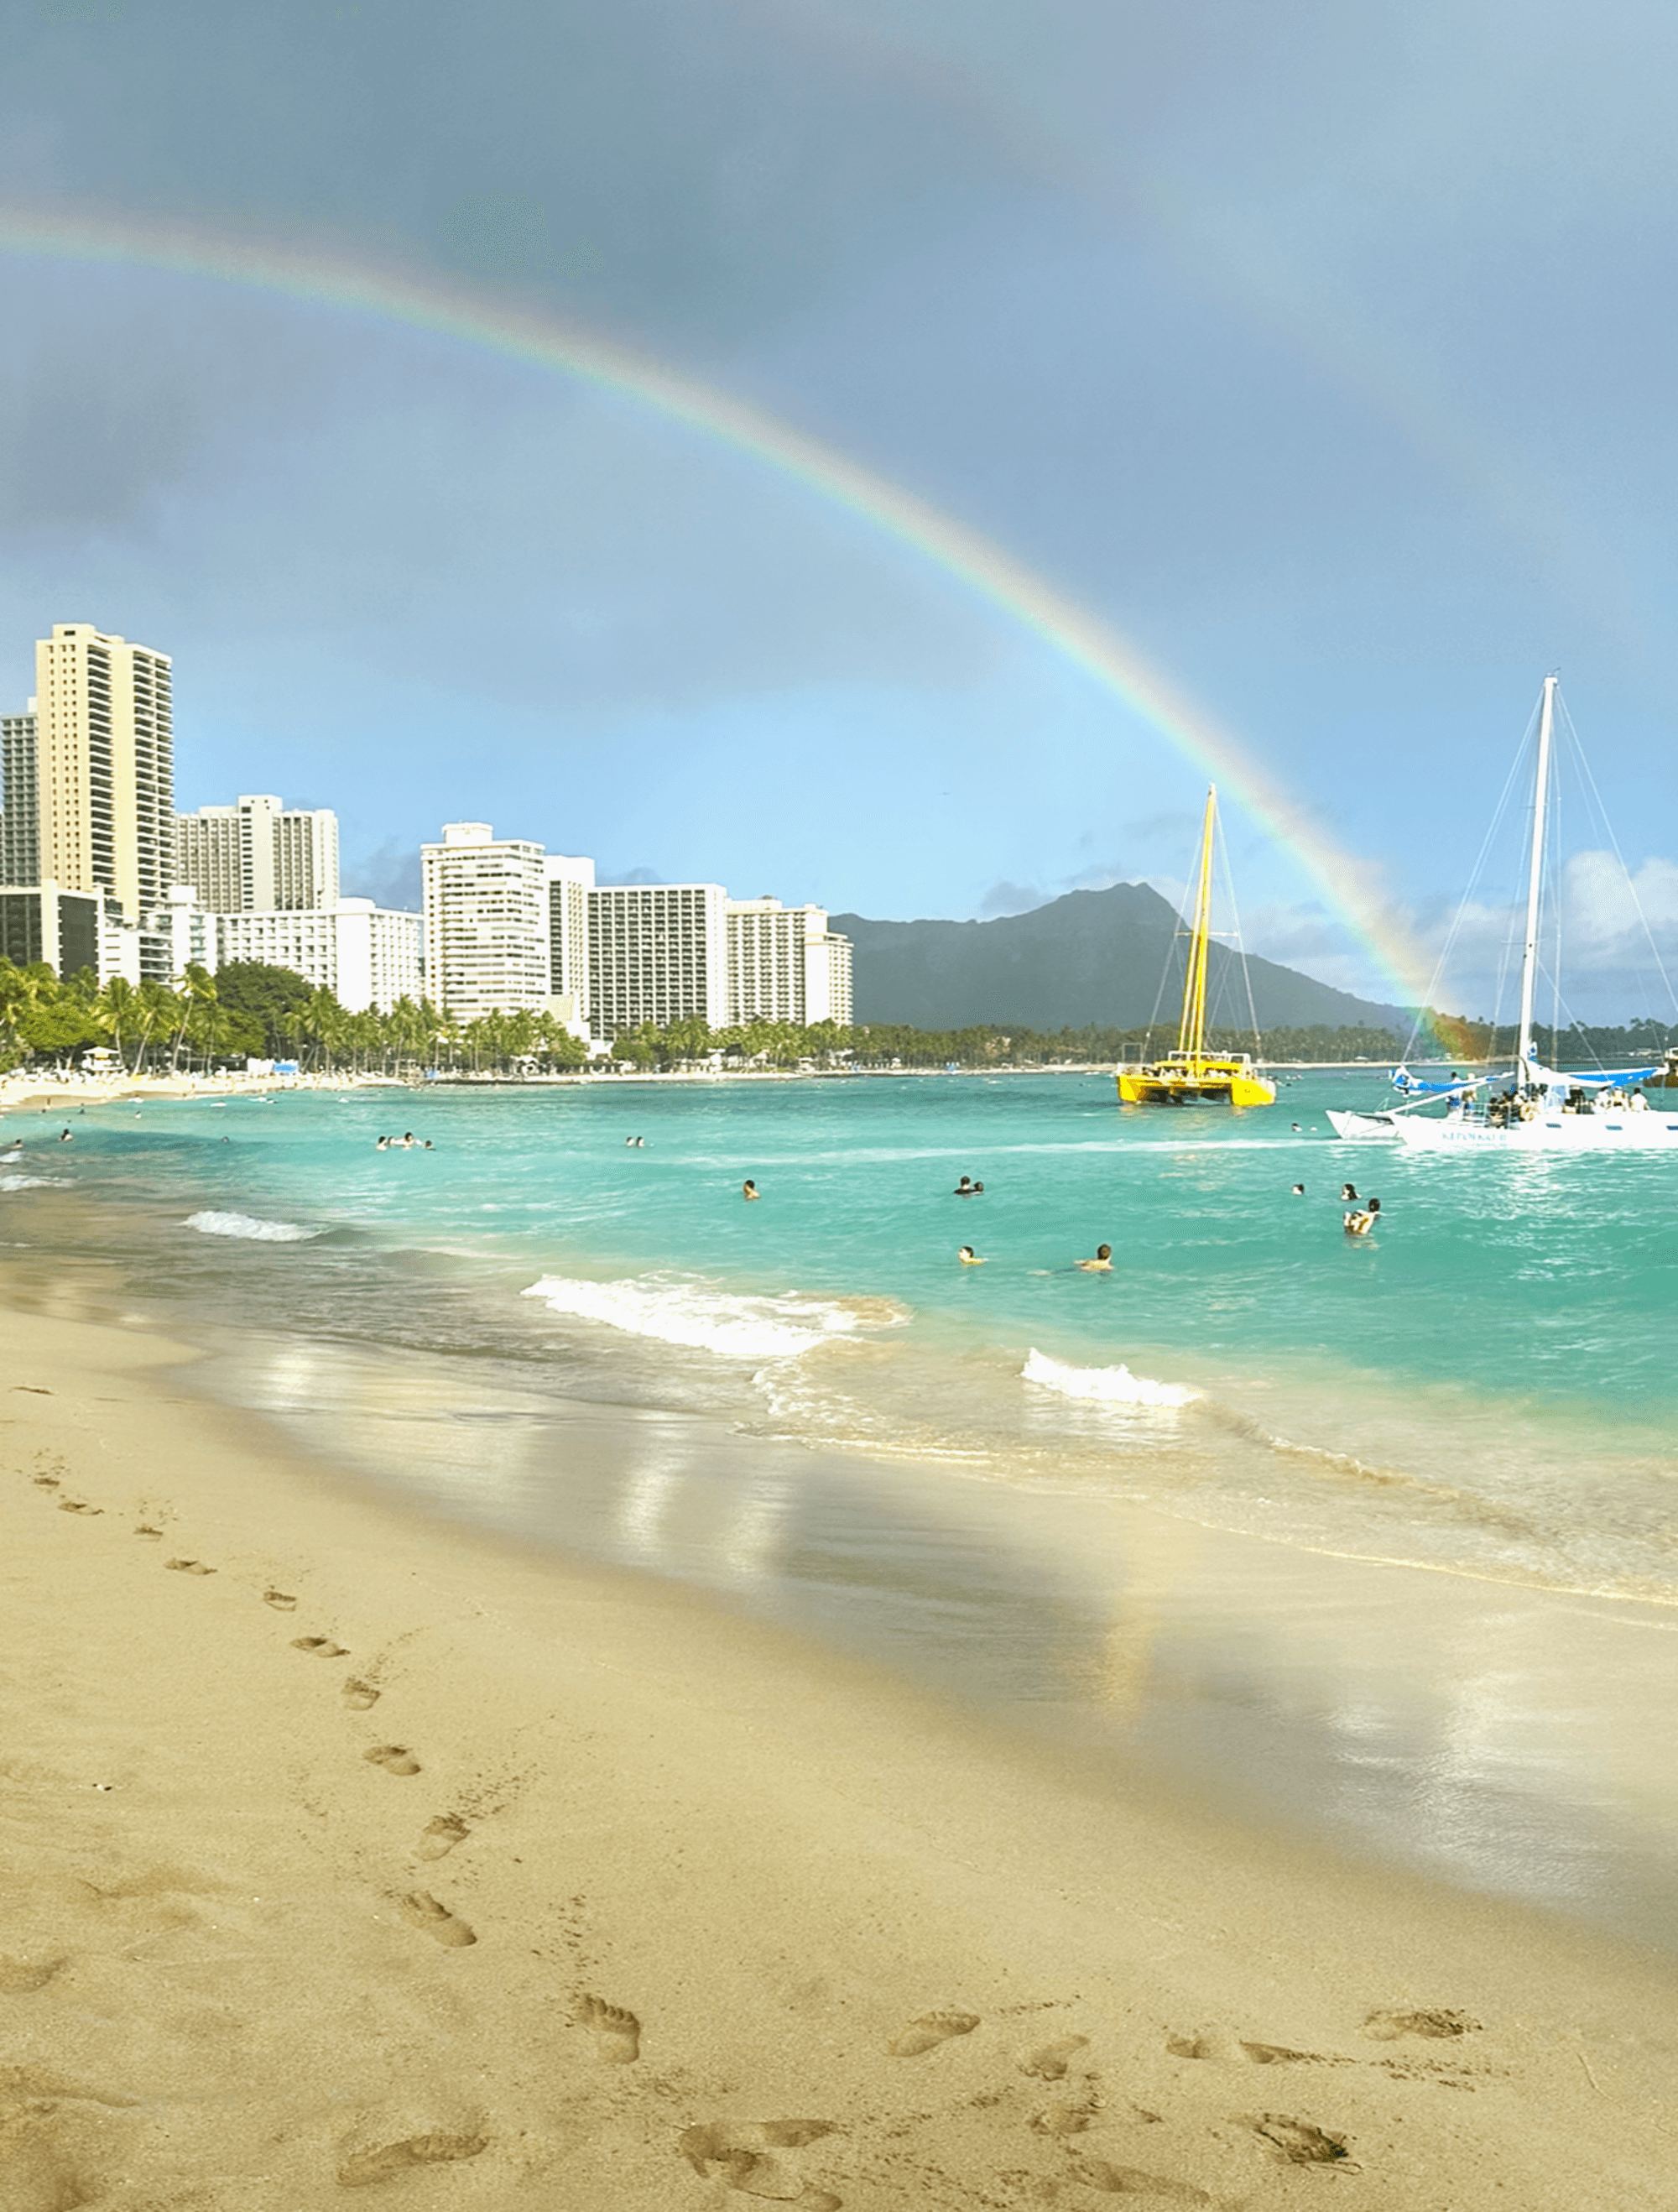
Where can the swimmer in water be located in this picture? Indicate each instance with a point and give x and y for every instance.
(66, 1136)
(1348, 1193)
(408, 1141)
(1299, 1190)
(1102, 1262)
(963, 1188)
(1360, 1223)
(969, 1257)
(749, 1189)
(383, 1145)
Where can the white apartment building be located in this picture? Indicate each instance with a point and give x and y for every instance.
(571, 880)
(258, 856)
(488, 936)
(367, 957)
(785, 965)
(657, 952)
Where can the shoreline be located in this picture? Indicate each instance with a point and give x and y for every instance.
(731, 1915)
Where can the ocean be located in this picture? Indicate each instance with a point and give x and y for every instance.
(1020, 1481)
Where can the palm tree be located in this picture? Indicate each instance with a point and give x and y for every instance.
(119, 1012)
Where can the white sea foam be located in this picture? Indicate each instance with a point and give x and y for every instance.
(32, 1183)
(682, 1309)
(1114, 1386)
(248, 1226)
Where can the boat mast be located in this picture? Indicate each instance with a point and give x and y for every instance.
(1191, 1031)
(1525, 1064)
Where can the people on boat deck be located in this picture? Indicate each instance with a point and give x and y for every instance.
(1102, 1263)
(749, 1189)
(1636, 1103)
(969, 1257)
(1360, 1222)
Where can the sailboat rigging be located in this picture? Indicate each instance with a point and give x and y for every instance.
(1540, 1109)
(1192, 1075)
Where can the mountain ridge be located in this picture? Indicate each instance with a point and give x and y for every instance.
(1113, 957)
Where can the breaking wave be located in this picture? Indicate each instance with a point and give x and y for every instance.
(1114, 1386)
(684, 1310)
(248, 1226)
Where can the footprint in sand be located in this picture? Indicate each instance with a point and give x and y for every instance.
(78, 1505)
(439, 1836)
(279, 1601)
(23, 1977)
(742, 2151)
(44, 1481)
(1071, 2117)
(1050, 2063)
(360, 1695)
(1221, 2048)
(153, 1533)
(368, 2165)
(423, 1909)
(1135, 2181)
(1298, 2141)
(1388, 2026)
(394, 1758)
(322, 1647)
(929, 2031)
(617, 2032)
(188, 1567)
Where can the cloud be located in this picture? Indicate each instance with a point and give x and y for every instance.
(389, 876)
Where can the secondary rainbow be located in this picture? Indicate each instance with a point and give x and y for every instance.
(993, 573)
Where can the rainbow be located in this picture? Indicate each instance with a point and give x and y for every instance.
(521, 334)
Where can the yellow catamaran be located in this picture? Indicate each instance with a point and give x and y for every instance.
(1192, 1076)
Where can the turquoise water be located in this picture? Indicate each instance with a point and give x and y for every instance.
(1485, 1385)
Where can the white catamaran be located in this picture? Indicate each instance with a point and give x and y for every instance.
(1539, 1109)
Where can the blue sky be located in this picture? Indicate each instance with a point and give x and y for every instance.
(1325, 352)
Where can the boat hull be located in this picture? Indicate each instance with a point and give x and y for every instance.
(1657, 1131)
(1363, 1129)
(1147, 1086)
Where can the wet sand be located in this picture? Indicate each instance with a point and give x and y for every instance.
(344, 1847)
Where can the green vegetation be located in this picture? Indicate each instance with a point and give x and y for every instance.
(251, 1010)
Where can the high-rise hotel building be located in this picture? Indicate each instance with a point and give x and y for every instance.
(258, 857)
(103, 746)
(785, 965)
(658, 953)
(487, 928)
(571, 880)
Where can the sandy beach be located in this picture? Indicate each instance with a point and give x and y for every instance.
(345, 1849)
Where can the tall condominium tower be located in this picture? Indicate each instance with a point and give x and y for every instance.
(487, 928)
(255, 857)
(20, 780)
(659, 953)
(785, 965)
(104, 762)
(569, 882)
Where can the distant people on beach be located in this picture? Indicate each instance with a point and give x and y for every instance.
(1102, 1262)
(749, 1189)
(1360, 1222)
(969, 1257)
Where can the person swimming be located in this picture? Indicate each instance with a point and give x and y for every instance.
(1299, 1190)
(1360, 1223)
(749, 1189)
(964, 1188)
(1102, 1263)
(1349, 1191)
(969, 1257)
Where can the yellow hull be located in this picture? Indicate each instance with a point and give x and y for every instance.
(1197, 1082)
